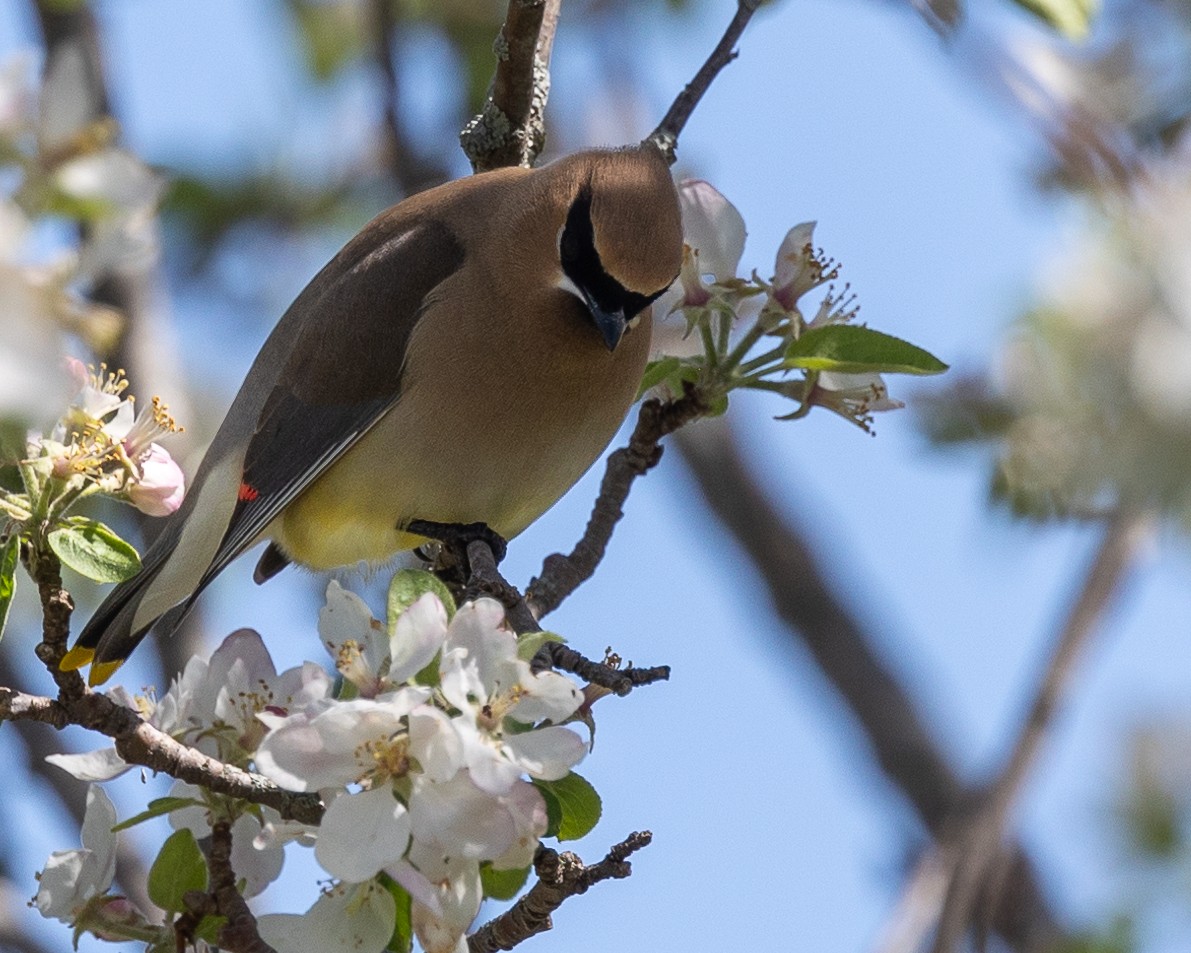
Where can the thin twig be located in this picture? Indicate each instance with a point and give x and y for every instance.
(560, 876)
(239, 934)
(803, 598)
(665, 136)
(979, 844)
(619, 681)
(510, 130)
(562, 575)
(486, 579)
(409, 171)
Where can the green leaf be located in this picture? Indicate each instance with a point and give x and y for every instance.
(529, 643)
(850, 349)
(656, 372)
(403, 929)
(157, 807)
(178, 869)
(93, 550)
(208, 928)
(408, 586)
(10, 553)
(1072, 18)
(553, 809)
(502, 884)
(579, 806)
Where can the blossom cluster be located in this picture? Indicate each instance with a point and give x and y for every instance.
(714, 299)
(1091, 396)
(103, 442)
(60, 161)
(430, 748)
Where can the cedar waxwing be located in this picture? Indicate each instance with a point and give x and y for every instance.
(463, 360)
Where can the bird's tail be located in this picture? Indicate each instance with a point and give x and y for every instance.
(128, 613)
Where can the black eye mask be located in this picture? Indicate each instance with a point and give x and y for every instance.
(581, 263)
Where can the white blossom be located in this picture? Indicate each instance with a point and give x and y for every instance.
(73, 877)
(348, 918)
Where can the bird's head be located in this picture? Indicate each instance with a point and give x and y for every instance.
(620, 245)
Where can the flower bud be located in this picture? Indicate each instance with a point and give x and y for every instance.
(160, 484)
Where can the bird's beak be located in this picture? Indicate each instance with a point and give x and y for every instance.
(610, 323)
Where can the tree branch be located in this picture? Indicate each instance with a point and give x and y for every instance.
(978, 843)
(239, 934)
(511, 128)
(665, 136)
(484, 579)
(562, 575)
(802, 597)
(137, 742)
(409, 172)
(560, 876)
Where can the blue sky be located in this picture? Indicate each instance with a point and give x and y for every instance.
(771, 825)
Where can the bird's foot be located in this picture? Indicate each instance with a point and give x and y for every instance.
(456, 537)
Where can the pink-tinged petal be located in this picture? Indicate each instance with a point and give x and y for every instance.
(547, 753)
(419, 635)
(416, 884)
(695, 294)
(241, 662)
(301, 686)
(160, 485)
(361, 834)
(460, 818)
(712, 226)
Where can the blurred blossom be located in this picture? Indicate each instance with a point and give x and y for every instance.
(63, 162)
(1097, 379)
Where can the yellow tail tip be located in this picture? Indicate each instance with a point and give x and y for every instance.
(76, 658)
(102, 671)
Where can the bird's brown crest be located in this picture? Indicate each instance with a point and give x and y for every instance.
(636, 218)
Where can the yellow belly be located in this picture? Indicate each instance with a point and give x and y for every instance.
(495, 450)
